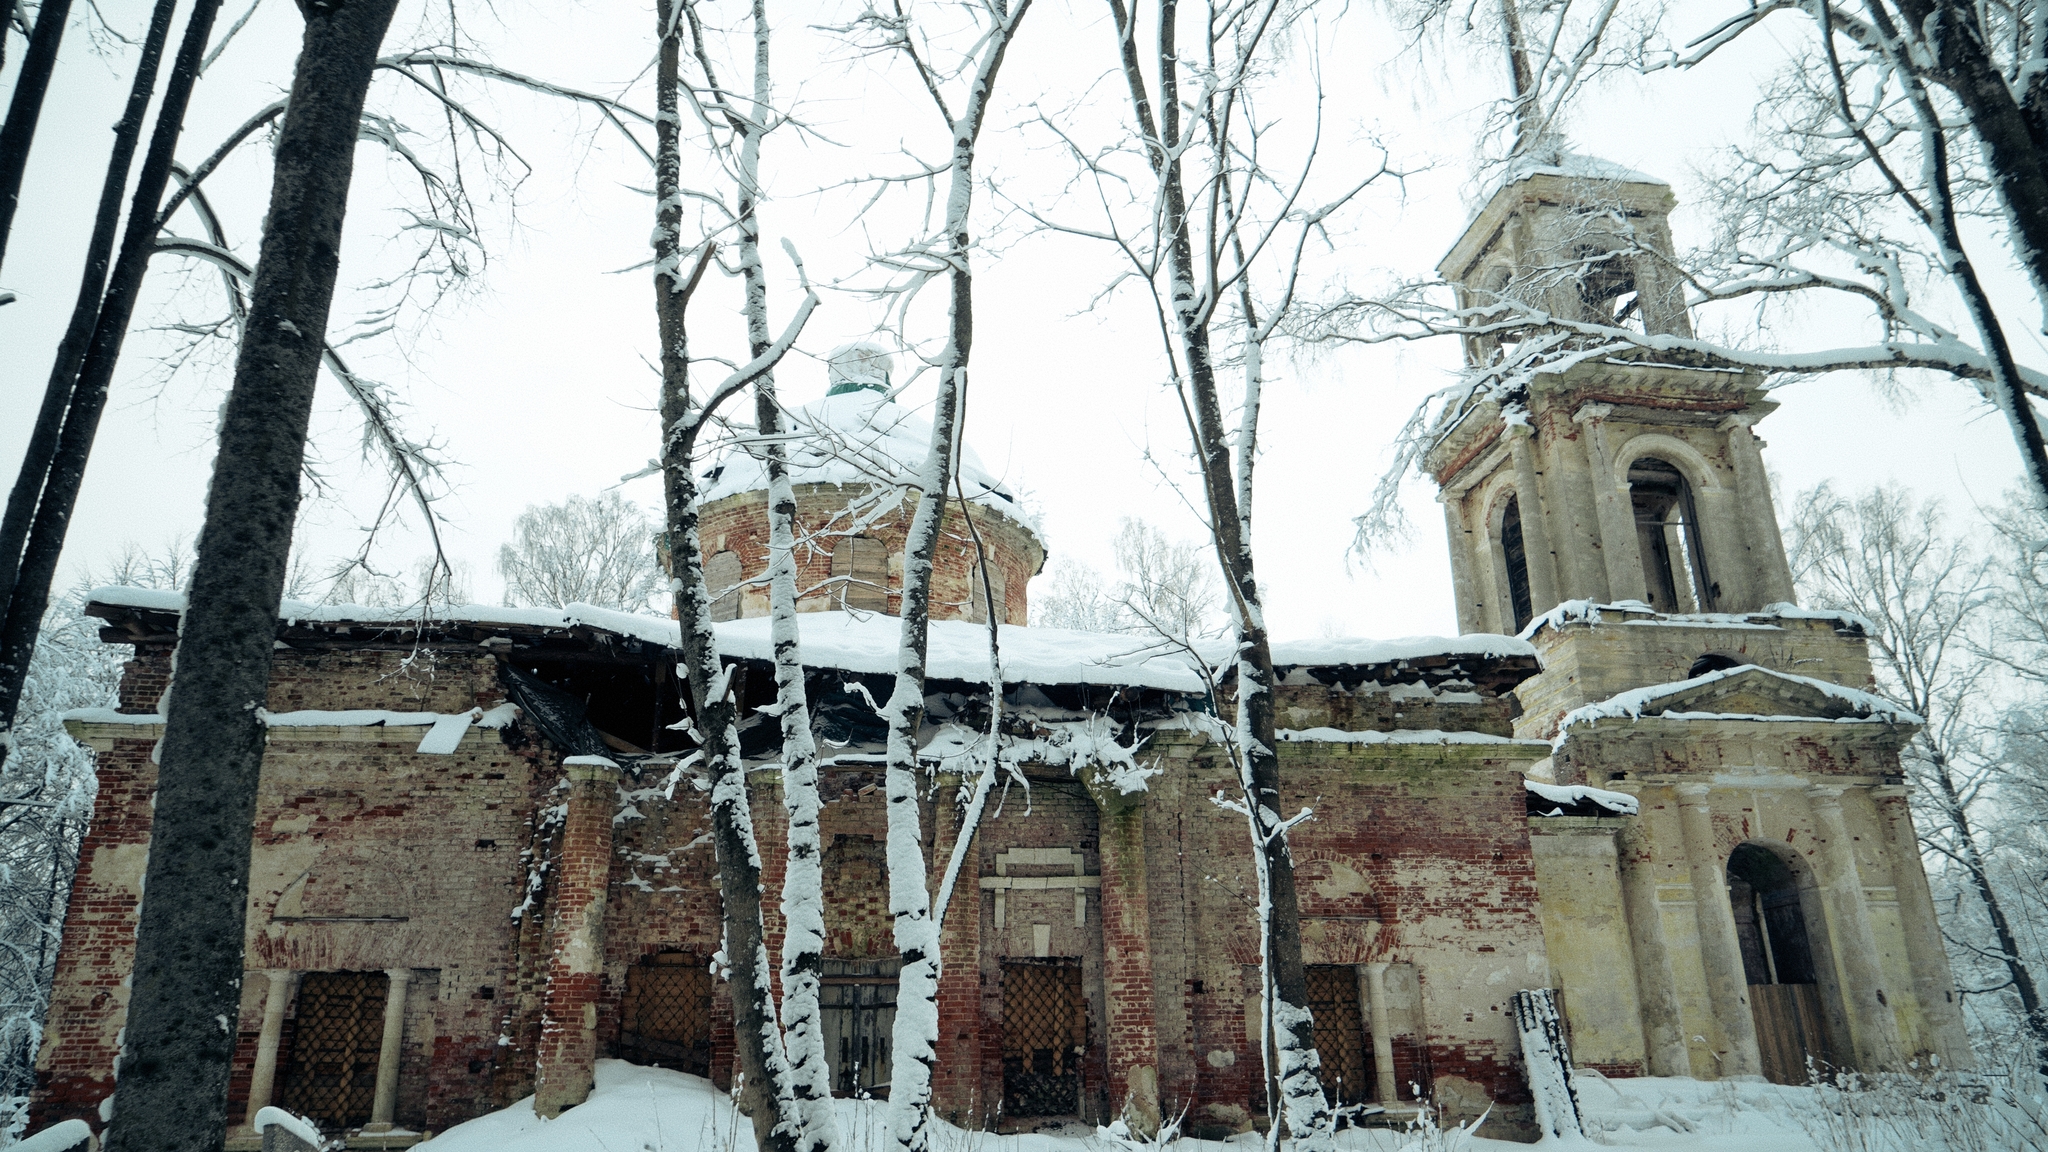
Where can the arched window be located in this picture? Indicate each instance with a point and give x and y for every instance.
(1515, 557)
(1607, 290)
(722, 575)
(860, 566)
(1712, 662)
(1668, 532)
(977, 596)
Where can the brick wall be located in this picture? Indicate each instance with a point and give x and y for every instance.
(740, 524)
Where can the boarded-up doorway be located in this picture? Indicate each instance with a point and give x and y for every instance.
(1045, 1034)
(337, 1032)
(665, 1015)
(1340, 1032)
(858, 1006)
(1777, 963)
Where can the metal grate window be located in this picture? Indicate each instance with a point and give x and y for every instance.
(665, 1016)
(338, 1030)
(857, 1006)
(1340, 1032)
(1045, 1034)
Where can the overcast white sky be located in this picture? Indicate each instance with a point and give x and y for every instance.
(535, 382)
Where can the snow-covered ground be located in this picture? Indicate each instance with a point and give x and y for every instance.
(636, 1109)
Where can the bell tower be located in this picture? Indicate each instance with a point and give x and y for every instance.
(1621, 476)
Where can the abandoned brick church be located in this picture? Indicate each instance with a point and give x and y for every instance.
(1672, 799)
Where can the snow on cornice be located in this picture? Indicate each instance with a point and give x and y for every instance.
(652, 629)
(1630, 705)
(857, 438)
(1573, 166)
(1634, 611)
(1331, 652)
(1563, 795)
(1406, 736)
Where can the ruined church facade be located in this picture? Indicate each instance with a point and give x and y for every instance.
(1671, 798)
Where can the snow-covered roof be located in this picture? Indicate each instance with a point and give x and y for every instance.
(1571, 165)
(1534, 749)
(1638, 613)
(958, 650)
(653, 629)
(1353, 650)
(856, 437)
(1852, 705)
(853, 642)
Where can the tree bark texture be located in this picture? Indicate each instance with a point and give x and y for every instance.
(26, 108)
(1303, 1107)
(18, 631)
(189, 942)
(766, 1094)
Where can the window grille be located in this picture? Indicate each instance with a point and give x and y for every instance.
(1045, 1035)
(665, 1015)
(1340, 1032)
(338, 1031)
(857, 1003)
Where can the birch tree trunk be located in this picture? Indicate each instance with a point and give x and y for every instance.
(25, 108)
(803, 883)
(188, 953)
(766, 1093)
(917, 932)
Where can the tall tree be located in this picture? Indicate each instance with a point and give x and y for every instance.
(947, 258)
(803, 882)
(581, 551)
(768, 1092)
(25, 108)
(188, 955)
(1926, 595)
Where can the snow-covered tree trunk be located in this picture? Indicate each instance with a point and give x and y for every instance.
(1225, 466)
(173, 1091)
(803, 882)
(916, 930)
(767, 1094)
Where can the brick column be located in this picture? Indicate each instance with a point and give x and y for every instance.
(1720, 950)
(957, 1089)
(1664, 1047)
(568, 1031)
(1127, 964)
(1873, 1029)
(1941, 1011)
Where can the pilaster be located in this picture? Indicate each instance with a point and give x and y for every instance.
(1720, 950)
(1769, 571)
(1127, 964)
(1934, 986)
(1873, 1029)
(1538, 555)
(568, 1038)
(957, 1090)
(1664, 1045)
(1617, 515)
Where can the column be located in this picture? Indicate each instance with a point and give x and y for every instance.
(1873, 1029)
(1770, 571)
(1542, 560)
(1664, 1047)
(1127, 964)
(568, 1031)
(957, 1085)
(384, 1105)
(1617, 515)
(1471, 605)
(263, 1077)
(1934, 986)
(1375, 981)
(1720, 951)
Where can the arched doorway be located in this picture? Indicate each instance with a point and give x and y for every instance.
(1668, 533)
(1778, 965)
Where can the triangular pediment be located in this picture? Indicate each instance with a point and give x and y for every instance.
(1754, 691)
